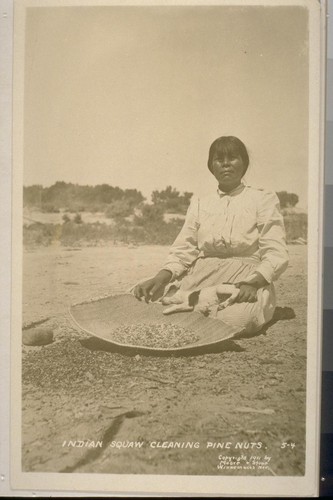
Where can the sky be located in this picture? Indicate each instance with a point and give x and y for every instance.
(134, 96)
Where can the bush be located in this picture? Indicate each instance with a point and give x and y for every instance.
(50, 209)
(171, 200)
(75, 208)
(77, 198)
(119, 209)
(78, 219)
(296, 226)
(287, 199)
(150, 215)
(40, 234)
(73, 233)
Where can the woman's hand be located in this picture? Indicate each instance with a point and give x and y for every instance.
(248, 289)
(153, 288)
(247, 293)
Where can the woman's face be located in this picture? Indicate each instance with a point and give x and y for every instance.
(228, 169)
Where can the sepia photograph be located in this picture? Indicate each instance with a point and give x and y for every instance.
(167, 202)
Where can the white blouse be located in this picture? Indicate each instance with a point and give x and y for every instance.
(244, 223)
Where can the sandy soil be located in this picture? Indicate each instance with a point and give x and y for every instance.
(238, 410)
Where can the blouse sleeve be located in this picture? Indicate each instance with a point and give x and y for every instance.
(184, 250)
(272, 240)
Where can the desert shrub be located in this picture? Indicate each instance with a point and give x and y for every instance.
(287, 199)
(68, 234)
(296, 226)
(40, 234)
(49, 208)
(32, 195)
(137, 234)
(171, 201)
(78, 219)
(119, 209)
(97, 207)
(73, 233)
(75, 208)
(166, 233)
(121, 230)
(149, 227)
(77, 198)
(150, 215)
(151, 222)
(66, 218)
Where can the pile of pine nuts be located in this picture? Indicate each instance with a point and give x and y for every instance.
(159, 336)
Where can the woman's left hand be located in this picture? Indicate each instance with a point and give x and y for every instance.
(248, 289)
(247, 293)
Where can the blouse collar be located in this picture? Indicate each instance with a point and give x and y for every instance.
(234, 192)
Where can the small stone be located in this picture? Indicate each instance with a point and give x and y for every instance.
(37, 336)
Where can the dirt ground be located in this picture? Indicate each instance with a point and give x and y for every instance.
(238, 410)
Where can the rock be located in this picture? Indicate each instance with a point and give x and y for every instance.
(37, 336)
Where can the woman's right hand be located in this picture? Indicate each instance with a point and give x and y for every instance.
(153, 288)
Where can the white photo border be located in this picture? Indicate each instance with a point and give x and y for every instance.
(165, 485)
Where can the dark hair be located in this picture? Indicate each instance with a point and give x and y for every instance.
(228, 145)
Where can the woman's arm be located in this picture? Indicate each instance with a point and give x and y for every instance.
(184, 250)
(182, 254)
(272, 248)
(272, 239)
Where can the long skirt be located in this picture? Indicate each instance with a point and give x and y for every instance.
(210, 271)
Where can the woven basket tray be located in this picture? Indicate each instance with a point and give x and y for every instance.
(101, 317)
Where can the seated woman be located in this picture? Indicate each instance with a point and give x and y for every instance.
(236, 236)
